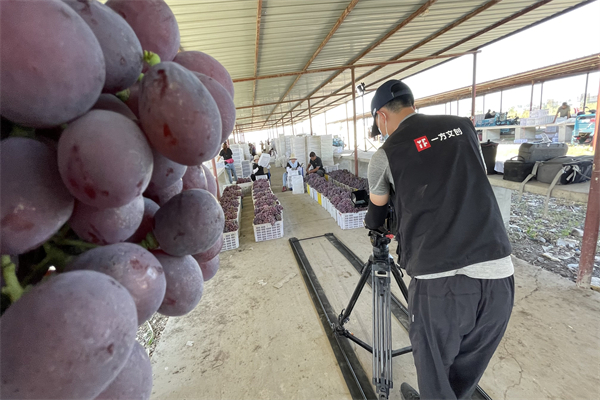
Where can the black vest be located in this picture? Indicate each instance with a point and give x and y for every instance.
(448, 216)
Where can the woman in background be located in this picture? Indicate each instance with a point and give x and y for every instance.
(227, 156)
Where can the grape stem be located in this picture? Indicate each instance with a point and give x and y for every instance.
(123, 95)
(12, 288)
(150, 243)
(80, 244)
(20, 131)
(54, 256)
(151, 58)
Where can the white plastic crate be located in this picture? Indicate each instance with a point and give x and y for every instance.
(264, 232)
(332, 211)
(297, 184)
(324, 202)
(351, 220)
(262, 177)
(231, 240)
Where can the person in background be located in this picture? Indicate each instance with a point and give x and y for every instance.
(489, 114)
(256, 169)
(227, 156)
(563, 111)
(451, 241)
(316, 164)
(252, 149)
(292, 165)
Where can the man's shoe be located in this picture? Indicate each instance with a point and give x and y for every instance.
(284, 189)
(408, 392)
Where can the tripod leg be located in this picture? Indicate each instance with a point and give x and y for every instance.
(382, 329)
(366, 273)
(398, 276)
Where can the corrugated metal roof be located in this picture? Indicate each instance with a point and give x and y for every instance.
(291, 31)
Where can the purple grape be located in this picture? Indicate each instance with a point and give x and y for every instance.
(203, 63)
(52, 64)
(244, 180)
(150, 208)
(224, 102)
(154, 24)
(165, 172)
(104, 159)
(230, 226)
(133, 99)
(123, 54)
(210, 253)
(88, 324)
(133, 267)
(210, 268)
(178, 114)
(161, 196)
(194, 178)
(189, 223)
(108, 225)
(211, 182)
(134, 382)
(110, 102)
(34, 202)
(185, 284)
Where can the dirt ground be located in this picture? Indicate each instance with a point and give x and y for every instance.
(552, 242)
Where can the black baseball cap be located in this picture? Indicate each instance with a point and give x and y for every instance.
(387, 92)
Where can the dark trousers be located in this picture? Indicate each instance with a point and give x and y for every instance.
(457, 324)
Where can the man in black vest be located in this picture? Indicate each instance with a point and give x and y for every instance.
(451, 241)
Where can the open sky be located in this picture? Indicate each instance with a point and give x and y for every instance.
(567, 37)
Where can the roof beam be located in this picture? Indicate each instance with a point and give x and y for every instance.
(291, 101)
(258, 18)
(473, 36)
(435, 35)
(335, 27)
(379, 64)
(391, 32)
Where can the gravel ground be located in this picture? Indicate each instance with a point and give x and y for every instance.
(150, 332)
(552, 242)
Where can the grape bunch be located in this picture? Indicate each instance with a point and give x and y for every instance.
(267, 209)
(108, 211)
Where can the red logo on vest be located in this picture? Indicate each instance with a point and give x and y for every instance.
(422, 143)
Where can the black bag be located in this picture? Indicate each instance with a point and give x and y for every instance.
(489, 150)
(578, 171)
(532, 152)
(517, 170)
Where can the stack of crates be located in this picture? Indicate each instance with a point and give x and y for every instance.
(246, 168)
(326, 153)
(238, 157)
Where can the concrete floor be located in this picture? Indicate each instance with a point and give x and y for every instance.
(252, 340)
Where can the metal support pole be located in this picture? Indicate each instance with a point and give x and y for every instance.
(364, 120)
(283, 127)
(541, 94)
(457, 107)
(354, 118)
(450, 106)
(474, 89)
(531, 99)
(214, 165)
(325, 117)
(592, 221)
(445, 108)
(310, 118)
(587, 76)
(347, 125)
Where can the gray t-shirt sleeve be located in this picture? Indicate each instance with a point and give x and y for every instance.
(379, 174)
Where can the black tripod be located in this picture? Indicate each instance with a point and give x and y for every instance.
(379, 267)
